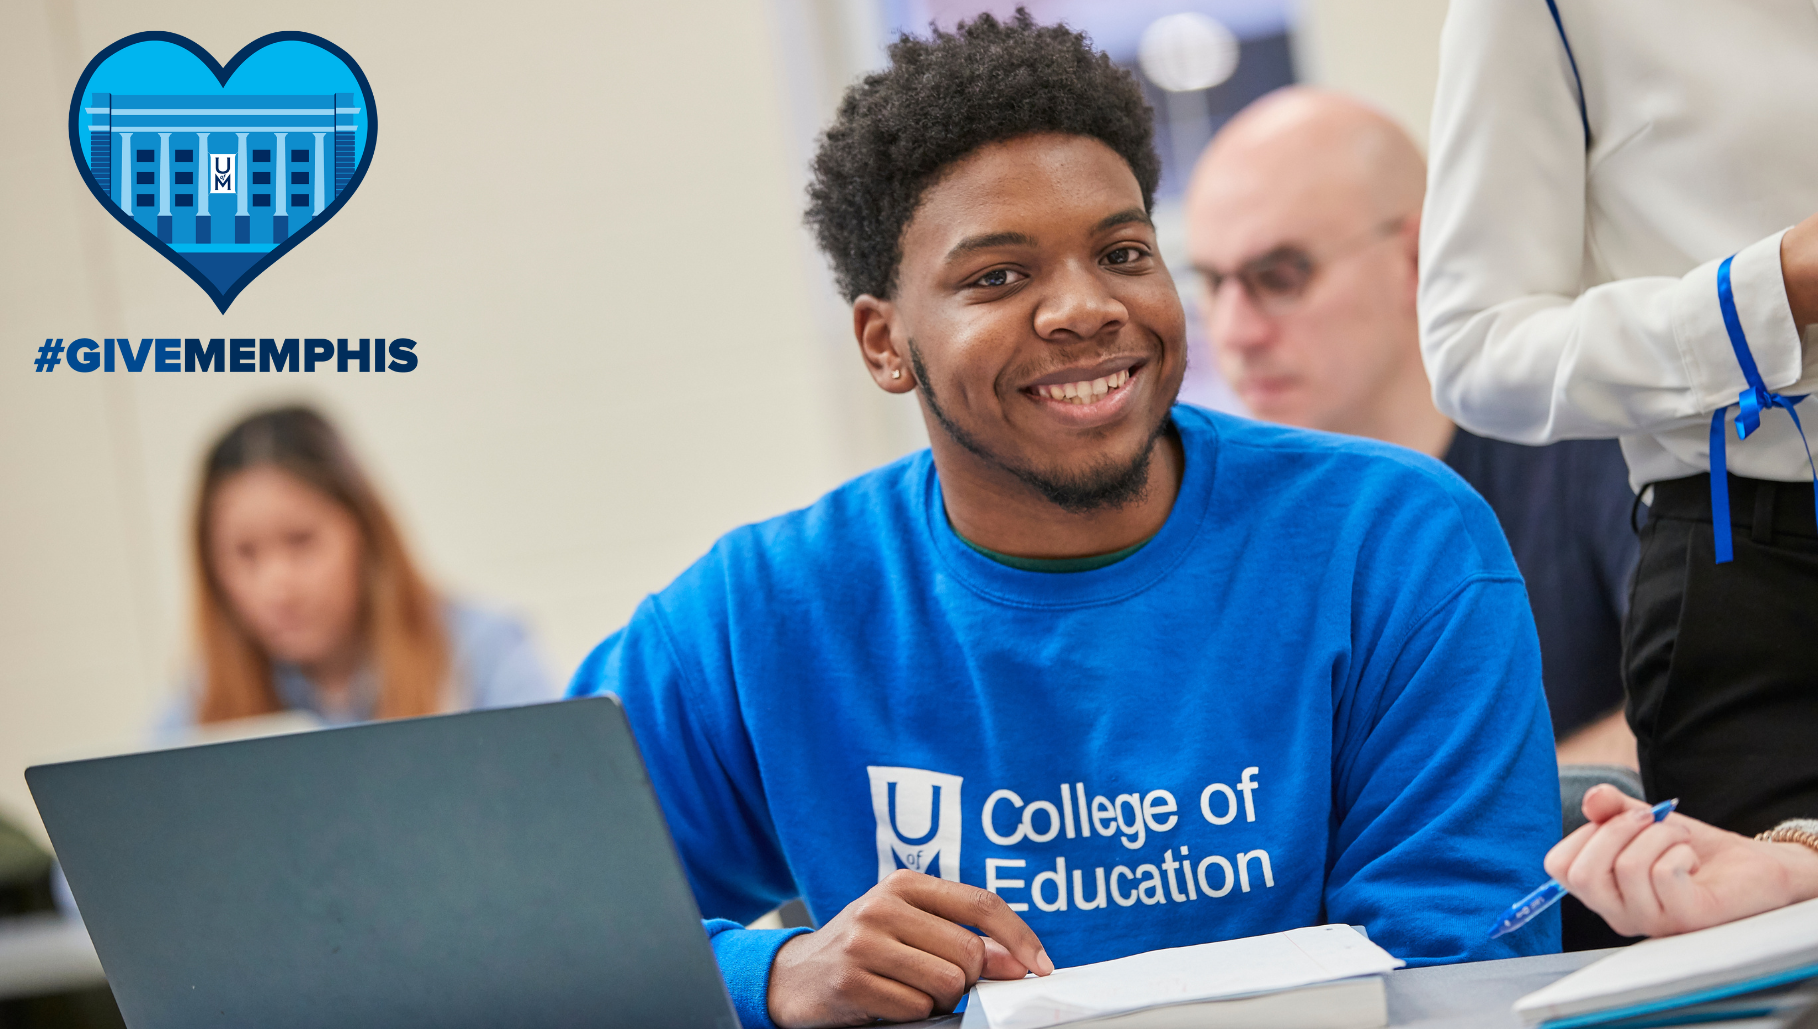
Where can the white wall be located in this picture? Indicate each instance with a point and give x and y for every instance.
(586, 214)
(1386, 51)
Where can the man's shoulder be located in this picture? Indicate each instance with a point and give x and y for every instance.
(845, 528)
(1251, 449)
(1396, 495)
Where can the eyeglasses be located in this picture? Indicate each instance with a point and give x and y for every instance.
(1278, 279)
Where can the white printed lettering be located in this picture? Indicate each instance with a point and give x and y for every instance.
(1104, 819)
(1079, 893)
(991, 831)
(1205, 803)
(1085, 823)
(1054, 821)
(1243, 868)
(1059, 878)
(993, 883)
(1116, 894)
(1246, 784)
(1169, 865)
(1187, 875)
(1136, 820)
(1150, 891)
(1067, 808)
(1206, 887)
(1159, 802)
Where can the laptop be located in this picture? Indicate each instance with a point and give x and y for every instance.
(507, 867)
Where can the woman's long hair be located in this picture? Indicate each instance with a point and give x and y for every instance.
(400, 616)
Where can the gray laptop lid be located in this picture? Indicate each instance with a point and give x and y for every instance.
(504, 867)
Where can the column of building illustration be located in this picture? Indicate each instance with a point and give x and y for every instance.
(258, 165)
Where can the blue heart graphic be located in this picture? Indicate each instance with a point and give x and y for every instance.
(223, 178)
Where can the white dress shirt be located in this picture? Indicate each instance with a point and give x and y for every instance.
(1572, 293)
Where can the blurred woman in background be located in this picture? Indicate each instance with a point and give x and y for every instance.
(307, 599)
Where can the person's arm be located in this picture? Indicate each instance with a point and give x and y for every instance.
(707, 783)
(1515, 346)
(1606, 741)
(901, 951)
(1447, 795)
(500, 662)
(1658, 879)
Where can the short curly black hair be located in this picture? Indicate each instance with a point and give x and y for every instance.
(942, 98)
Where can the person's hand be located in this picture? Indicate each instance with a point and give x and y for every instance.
(901, 952)
(1657, 879)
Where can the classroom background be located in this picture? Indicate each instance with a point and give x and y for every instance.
(588, 216)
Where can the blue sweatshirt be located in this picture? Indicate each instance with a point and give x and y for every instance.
(1313, 697)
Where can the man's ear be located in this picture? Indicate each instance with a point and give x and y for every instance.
(874, 325)
(1407, 241)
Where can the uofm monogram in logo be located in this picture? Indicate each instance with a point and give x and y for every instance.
(918, 820)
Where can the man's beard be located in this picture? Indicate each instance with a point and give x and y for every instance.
(1107, 485)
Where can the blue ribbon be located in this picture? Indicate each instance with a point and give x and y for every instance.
(1749, 406)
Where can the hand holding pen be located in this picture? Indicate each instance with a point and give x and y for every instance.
(1549, 893)
(1680, 875)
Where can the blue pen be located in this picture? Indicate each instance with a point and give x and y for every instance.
(1524, 910)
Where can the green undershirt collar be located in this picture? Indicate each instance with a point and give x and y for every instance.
(1056, 564)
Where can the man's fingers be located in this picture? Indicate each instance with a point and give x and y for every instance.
(879, 996)
(940, 980)
(946, 940)
(999, 964)
(969, 905)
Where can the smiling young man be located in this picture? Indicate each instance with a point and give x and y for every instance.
(1095, 674)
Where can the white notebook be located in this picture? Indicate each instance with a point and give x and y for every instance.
(1300, 979)
(1674, 971)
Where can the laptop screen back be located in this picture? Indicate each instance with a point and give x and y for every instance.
(504, 867)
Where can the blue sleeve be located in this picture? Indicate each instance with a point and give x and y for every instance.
(1445, 774)
(707, 781)
(744, 956)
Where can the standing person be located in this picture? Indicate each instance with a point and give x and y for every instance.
(1606, 251)
(307, 598)
(1302, 218)
(1244, 676)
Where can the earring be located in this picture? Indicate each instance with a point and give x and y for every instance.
(896, 373)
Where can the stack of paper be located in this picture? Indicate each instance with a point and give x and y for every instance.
(1303, 979)
(1744, 968)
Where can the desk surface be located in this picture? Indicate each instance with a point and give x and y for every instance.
(49, 954)
(1477, 995)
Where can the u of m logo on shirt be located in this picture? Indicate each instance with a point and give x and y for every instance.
(918, 820)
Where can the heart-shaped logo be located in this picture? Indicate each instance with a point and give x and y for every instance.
(223, 169)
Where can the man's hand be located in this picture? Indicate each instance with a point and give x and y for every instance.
(1657, 879)
(901, 952)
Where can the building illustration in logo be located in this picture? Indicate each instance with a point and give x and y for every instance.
(918, 820)
(232, 176)
(222, 169)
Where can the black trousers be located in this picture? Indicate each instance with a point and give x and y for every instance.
(1721, 661)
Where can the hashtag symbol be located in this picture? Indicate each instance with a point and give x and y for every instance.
(48, 355)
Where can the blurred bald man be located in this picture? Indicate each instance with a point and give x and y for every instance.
(1303, 223)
